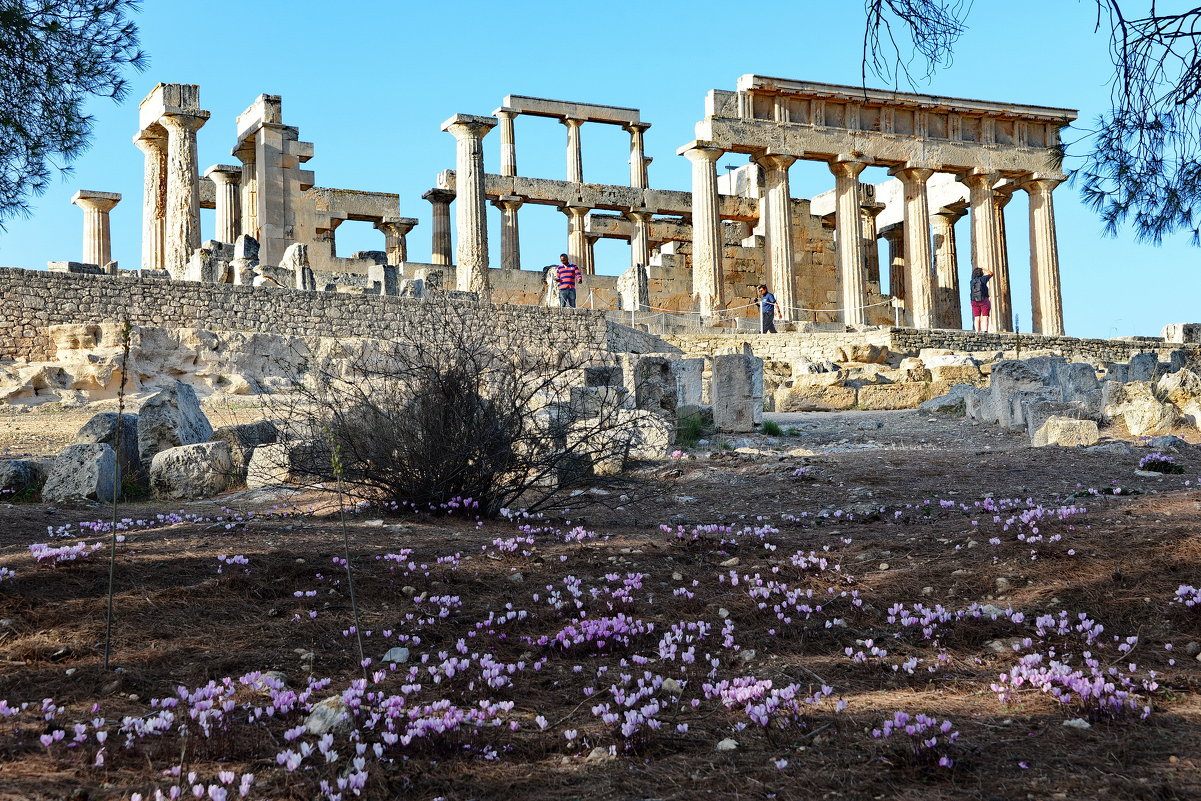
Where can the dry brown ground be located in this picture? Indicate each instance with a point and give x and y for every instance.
(180, 623)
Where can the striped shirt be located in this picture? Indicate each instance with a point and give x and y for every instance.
(566, 276)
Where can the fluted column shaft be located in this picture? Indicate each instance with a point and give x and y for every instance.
(707, 282)
(868, 212)
(777, 211)
(575, 157)
(97, 244)
(948, 309)
(471, 209)
(985, 237)
(154, 197)
(510, 234)
(440, 249)
(640, 240)
(638, 160)
(894, 236)
(1046, 295)
(918, 257)
(182, 228)
(508, 142)
(850, 245)
(227, 180)
(1002, 290)
(577, 243)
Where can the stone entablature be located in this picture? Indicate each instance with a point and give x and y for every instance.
(817, 120)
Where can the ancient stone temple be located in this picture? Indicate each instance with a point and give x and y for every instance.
(696, 254)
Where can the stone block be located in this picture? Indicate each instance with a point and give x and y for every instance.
(1182, 333)
(653, 384)
(1143, 367)
(597, 401)
(191, 471)
(878, 397)
(815, 398)
(689, 380)
(1135, 406)
(21, 476)
(1065, 431)
(242, 439)
(1037, 412)
(102, 429)
(954, 402)
(605, 375)
(385, 279)
(169, 419)
(82, 473)
(956, 373)
(868, 354)
(736, 392)
(1183, 390)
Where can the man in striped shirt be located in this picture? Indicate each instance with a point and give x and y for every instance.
(567, 275)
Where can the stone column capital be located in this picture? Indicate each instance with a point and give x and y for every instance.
(505, 113)
(571, 122)
(91, 200)
(224, 174)
(774, 161)
(1040, 182)
(508, 202)
(469, 126)
(439, 196)
(636, 127)
(638, 215)
(701, 150)
(847, 167)
(979, 179)
(952, 212)
(190, 122)
(400, 227)
(151, 140)
(575, 213)
(912, 173)
(872, 209)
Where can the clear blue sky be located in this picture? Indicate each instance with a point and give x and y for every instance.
(369, 82)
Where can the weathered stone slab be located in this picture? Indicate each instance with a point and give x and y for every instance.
(736, 392)
(954, 402)
(1134, 405)
(102, 429)
(815, 398)
(1066, 431)
(1183, 390)
(82, 473)
(191, 471)
(878, 397)
(242, 439)
(169, 419)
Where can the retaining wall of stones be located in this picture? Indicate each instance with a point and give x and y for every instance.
(33, 300)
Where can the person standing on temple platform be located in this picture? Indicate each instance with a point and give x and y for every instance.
(567, 275)
(768, 311)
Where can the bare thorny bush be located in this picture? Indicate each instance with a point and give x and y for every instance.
(1141, 163)
(461, 407)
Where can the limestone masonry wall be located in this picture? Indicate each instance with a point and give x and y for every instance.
(787, 347)
(32, 300)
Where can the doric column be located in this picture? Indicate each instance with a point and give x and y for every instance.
(227, 179)
(440, 199)
(1046, 296)
(575, 158)
(640, 240)
(396, 243)
(707, 283)
(590, 250)
(948, 310)
(471, 210)
(983, 206)
(248, 189)
(510, 237)
(776, 208)
(638, 159)
(182, 228)
(577, 242)
(869, 210)
(917, 244)
(1000, 287)
(894, 237)
(508, 143)
(153, 144)
(97, 245)
(850, 246)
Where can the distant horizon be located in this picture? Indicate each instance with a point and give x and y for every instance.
(372, 100)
